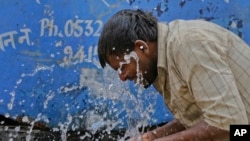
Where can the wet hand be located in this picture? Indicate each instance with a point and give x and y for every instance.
(149, 136)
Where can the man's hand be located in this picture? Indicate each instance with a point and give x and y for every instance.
(149, 136)
(174, 131)
(199, 132)
(167, 129)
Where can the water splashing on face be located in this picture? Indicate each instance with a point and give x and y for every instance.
(127, 60)
(115, 106)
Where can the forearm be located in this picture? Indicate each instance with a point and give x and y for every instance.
(200, 132)
(168, 129)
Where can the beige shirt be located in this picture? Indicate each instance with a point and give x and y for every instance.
(203, 73)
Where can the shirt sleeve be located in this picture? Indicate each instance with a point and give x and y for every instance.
(202, 63)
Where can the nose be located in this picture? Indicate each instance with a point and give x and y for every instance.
(123, 76)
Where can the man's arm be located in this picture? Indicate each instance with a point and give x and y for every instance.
(167, 129)
(200, 132)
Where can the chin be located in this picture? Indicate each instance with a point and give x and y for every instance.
(146, 84)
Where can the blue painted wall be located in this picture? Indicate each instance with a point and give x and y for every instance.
(49, 66)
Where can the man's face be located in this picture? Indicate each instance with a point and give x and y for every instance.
(135, 66)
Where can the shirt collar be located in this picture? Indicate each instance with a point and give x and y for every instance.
(163, 31)
(161, 82)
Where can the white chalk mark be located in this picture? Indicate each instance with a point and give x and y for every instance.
(106, 3)
(38, 2)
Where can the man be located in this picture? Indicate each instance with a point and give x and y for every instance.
(201, 69)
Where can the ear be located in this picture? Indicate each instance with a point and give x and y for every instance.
(141, 46)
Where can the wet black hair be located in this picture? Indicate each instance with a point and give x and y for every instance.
(122, 30)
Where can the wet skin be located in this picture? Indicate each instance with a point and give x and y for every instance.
(141, 69)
